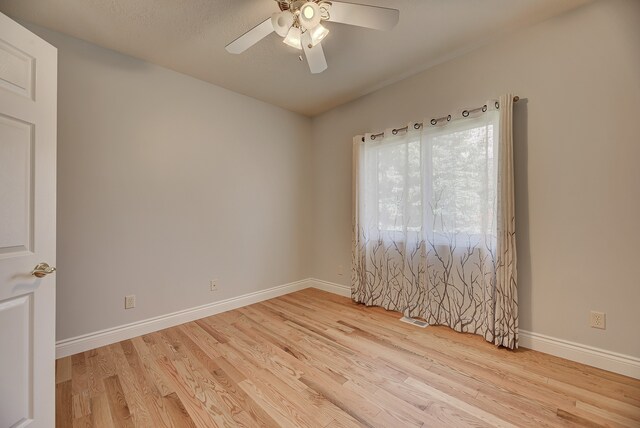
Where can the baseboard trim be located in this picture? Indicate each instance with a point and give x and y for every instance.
(589, 355)
(596, 357)
(331, 287)
(108, 336)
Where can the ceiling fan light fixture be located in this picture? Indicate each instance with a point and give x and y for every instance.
(310, 15)
(318, 33)
(299, 24)
(293, 38)
(282, 22)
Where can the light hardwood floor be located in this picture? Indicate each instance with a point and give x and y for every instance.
(315, 359)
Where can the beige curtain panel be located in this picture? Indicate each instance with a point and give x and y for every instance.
(434, 222)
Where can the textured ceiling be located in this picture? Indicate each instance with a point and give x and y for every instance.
(189, 36)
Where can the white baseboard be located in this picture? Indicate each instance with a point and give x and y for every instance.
(108, 336)
(589, 355)
(607, 360)
(331, 287)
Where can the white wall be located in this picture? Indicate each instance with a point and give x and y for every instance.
(577, 175)
(166, 182)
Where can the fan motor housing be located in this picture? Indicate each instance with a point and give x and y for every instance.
(293, 5)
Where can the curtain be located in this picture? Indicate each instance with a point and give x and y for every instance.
(434, 222)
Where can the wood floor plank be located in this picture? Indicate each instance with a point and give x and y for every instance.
(151, 395)
(63, 369)
(585, 419)
(155, 378)
(94, 379)
(189, 399)
(605, 414)
(217, 401)
(78, 374)
(81, 404)
(64, 410)
(132, 389)
(352, 403)
(595, 399)
(275, 412)
(179, 415)
(263, 383)
(460, 404)
(100, 411)
(227, 385)
(120, 413)
(84, 422)
(313, 359)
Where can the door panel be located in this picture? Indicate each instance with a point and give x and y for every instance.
(28, 79)
(17, 71)
(16, 345)
(16, 176)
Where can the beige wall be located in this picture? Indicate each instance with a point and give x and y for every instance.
(166, 182)
(577, 165)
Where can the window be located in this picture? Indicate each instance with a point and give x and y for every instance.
(440, 181)
(463, 178)
(399, 186)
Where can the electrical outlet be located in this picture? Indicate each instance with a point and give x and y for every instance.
(130, 301)
(340, 270)
(598, 320)
(213, 285)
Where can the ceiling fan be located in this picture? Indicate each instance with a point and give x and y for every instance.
(300, 23)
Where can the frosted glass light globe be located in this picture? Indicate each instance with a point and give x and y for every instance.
(293, 38)
(308, 12)
(318, 33)
(282, 22)
(309, 15)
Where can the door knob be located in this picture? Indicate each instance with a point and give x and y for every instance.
(42, 269)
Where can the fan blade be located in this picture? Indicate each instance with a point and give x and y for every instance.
(378, 18)
(251, 37)
(315, 57)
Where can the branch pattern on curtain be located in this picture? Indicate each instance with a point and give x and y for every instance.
(434, 229)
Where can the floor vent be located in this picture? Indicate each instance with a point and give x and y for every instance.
(417, 323)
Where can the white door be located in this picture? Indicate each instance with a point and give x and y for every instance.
(28, 78)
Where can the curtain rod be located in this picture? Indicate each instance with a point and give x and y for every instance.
(465, 113)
